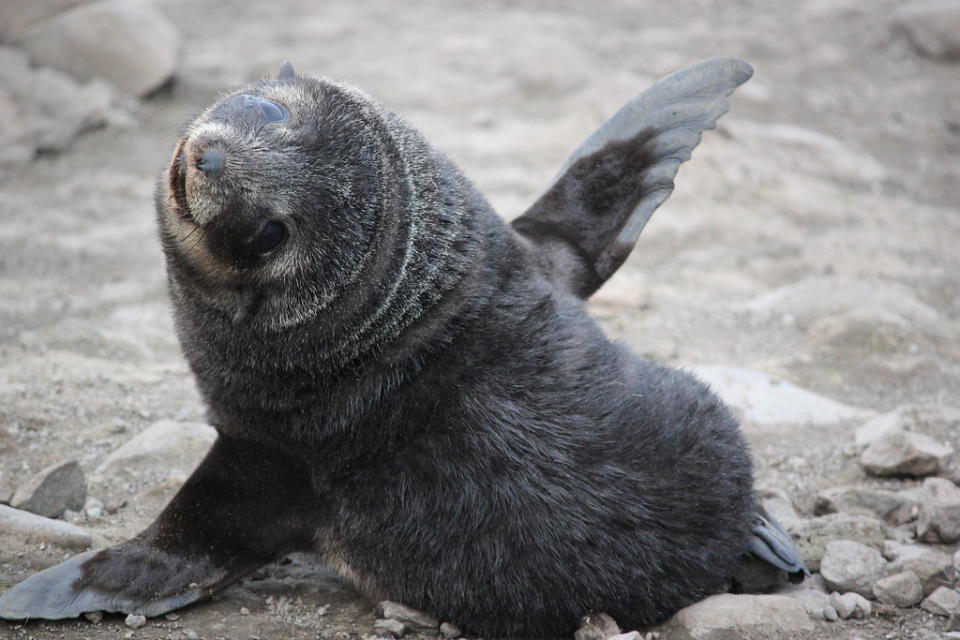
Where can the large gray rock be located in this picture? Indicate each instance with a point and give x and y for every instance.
(905, 454)
(812, 536)
(930, 565)
(939, 511)
(851, 566)
(130, 44)
(932, 27)
(54, 490)
(942, 602)
(896, 507)
(764, 400)
(728, 617)
(167, 446)
(33, 528)
(43, 109)
(903, 589)
(18, 15)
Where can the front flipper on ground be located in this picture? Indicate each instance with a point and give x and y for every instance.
(587, 221)
(246, 505)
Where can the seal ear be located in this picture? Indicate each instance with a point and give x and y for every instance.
(588, 219)
(286, 71)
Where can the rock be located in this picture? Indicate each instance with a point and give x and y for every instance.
(389, 627)
(15, 17)
(896, 507)
(94, 616)
(725, 616)
(850, 605)
(411, 618)
(177, 447)
(52, 491)
(902, 589)
(135, 621)
(905, 454)
(34, 528)
(851, 566)
(450, 631)
(929, 565)
(130, 44)
(764, 400)
(634, 635)
(596, 626)
(942, 602)
(42, 109)
(93, 507)
(939, 511)
(812, 536)
(879, 426)
(821, 296)
(933, 28)
(190, 634)
(816, 603)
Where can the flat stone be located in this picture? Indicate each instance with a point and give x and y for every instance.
(33, 528)
(390, 627)
(49, 493)
(933, 28)
(596, 626)
(851, 566)
(633, 635)
(939, 511)
(764, 400)
(905, 454)
(171, 446)
(850, 605)
(411, 618)
(896, 507)
(942, 602)
(816, 603)
(879, 426)
(727, 616)
(902, 589)
(813, 535)
(130, 44)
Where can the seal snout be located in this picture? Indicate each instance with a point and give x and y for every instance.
(211, 162)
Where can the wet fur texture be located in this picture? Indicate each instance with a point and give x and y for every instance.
(414, 390)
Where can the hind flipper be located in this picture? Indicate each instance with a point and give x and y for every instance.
(587, 221)
(772, 544)
(243, 507)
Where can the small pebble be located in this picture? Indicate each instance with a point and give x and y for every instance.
(172, 616)
(190, 634)
(135, 621)
(244, 611)
(324, 610)
(450, 631)
(94, 616)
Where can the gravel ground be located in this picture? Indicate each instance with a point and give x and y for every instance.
(837, 162)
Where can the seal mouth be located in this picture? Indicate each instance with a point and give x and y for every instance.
(177, 181)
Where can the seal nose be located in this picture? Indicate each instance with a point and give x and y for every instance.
(211, 162)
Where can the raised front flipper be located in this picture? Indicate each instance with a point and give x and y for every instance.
(244, 506)
(587, 221)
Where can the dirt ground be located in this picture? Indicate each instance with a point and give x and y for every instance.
(839, 159)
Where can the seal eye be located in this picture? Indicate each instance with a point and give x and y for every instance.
(269, 237)
(271, 111)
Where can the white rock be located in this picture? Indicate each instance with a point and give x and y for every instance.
(821, 296)
(174, 446)
(135, 621)
(764, 400)
(879, 426)
(903, 589)
(130, 44)
(411, 618)
(896, 507)
(942, 602)
(51, 492)
(596, 626)
(813, 535)
(450, 631)
(932, 27)
(939, 511)
(850, 605)
(390, 627)
(17, 16)
(31, 527)
(905, 454)
(733, 616)
(851, 566)
(816, 603)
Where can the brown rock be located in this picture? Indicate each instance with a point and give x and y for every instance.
(905, 454)
(939, 511)
(902, 589)
(726, 616)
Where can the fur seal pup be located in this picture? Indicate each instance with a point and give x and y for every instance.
(411, 387)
